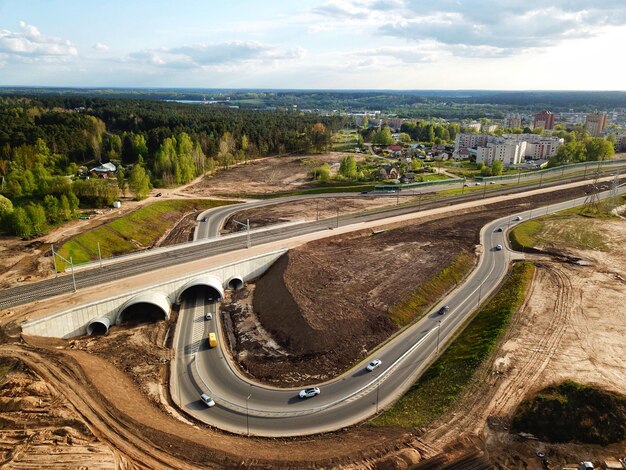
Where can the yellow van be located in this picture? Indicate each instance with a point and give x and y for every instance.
(212, 340)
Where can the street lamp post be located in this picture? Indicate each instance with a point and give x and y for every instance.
(377, 389)
(73, 278)
(247, 227)
(337, 215)
(438, 333)
(247, 416)
(540, 180)
(54, 260)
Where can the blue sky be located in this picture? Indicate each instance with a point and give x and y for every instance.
(349, 44)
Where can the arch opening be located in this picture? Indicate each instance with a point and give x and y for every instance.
(207, 293)
(98, 327)
(208, 286)
(141, 312)
(235, 283)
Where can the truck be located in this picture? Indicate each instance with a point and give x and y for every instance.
(212, 340)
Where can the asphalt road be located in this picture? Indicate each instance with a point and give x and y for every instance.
(245, 407)
(160, 258)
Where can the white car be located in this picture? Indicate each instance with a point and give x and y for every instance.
(518, 218)
(208, 401)
(208, 316)
(374, 364)
(492, 182)
(309, 392)
(499, 247)
(476, 184)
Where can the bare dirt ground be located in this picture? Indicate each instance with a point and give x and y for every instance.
(311, 209)
(572, 327)
(266, 175)
(324, 306)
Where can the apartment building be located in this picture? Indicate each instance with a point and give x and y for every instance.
(545, 120)
(595, 124)
(510, 149)
(513, 121)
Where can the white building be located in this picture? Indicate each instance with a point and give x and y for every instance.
(510, 149)
(509, 153)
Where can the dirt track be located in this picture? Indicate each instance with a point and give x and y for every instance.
(571, 327)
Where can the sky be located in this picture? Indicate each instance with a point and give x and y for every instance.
(315, 44)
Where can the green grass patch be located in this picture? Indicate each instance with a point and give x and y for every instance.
(442, 384)
(564, 229)
(139, 229)
(570, 411)
(424, 297)
(524, 235)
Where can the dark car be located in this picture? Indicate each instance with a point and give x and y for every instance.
(158, 195)
(443, 310)
(499, 229)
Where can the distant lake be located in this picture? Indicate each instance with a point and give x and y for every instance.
(196, 101)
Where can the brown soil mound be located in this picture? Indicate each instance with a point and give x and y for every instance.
(361, 275)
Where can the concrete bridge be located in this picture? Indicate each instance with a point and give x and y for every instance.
(154, 302)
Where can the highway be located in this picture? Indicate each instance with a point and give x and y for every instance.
(245, 407)
(161, 258)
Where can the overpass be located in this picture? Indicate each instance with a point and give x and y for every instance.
(151, 302)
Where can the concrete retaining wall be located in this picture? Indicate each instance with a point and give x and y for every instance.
(73, 322)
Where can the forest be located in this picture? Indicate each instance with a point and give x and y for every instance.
(49, 144)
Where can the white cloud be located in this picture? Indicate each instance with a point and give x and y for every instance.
(228, 54)
(100, 47)
(30, 45)
(480, 28)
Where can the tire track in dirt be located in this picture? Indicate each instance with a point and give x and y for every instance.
(493, 393)
(532, 365)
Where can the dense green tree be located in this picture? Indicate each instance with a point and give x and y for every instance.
(598, 148)
(37, 216)
(496, 168)
(51, 205)
(322, 173)
(20, 224)
(139, 182)
(383, 137)
(347, 167)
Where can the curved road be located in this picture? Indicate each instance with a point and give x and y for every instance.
(250, 408)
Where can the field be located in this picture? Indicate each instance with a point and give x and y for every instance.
(138, 230)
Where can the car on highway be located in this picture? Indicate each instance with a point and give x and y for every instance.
(207, 400)
(499, 229)
(499, 247)
(309, 392)
(365, 192)
(374, 364)
(492, 182)
(158, 195)
(443, 310)
(518, 218)
(476, 184)
(208, 316)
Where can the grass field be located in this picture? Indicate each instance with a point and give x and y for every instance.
(444, 382)
(344, 141)
(137, 230)
(565, 228)
(418, 304)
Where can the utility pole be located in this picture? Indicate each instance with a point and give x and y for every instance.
(337, 215)
(377, 389)
(484, 189)
(99, 254)
(540, 180)
(519, 177)
(73, 278)
(54, 260)
(247, 416)
(248, 230)
(438, 332)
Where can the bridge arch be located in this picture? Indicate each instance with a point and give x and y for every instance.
(98, 326)
(212, 284)
(235, 282)
(148, 306)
